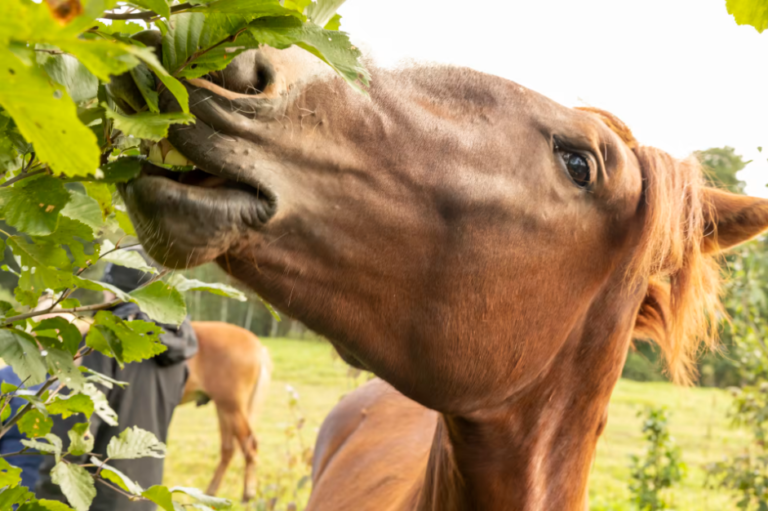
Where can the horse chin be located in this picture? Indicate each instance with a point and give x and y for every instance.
(185, 220)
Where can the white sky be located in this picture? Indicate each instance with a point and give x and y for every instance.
(680, 73)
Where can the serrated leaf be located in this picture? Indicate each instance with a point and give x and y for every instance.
(35, 424)
(53, 446)
(126, 258)
(18, 349)
(175, 87)
(126, 341)
(749, 12)
(84, 209)
(76, 483)
(112, 474)
(253, 8)
(201, 497)
(101, 193)
(135, 443)
(124, 221)
(145, 81)
(45, 505)
(64, 330)
(161, 302)
(32, 206)
(9, 475)
(66, 406)
(66, 70)
(102, 379)
(121, 170)
(61, 365)
(100, 404)
(148, 125)
(13, 496)
(62, 140)
(71, 233)
(333, 47)
(122, 27)
(183, 284)
(34, 255)
(161, 7)
(80, 439)
(160, 495)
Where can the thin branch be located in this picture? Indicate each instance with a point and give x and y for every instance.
(73, 310)
(52, 52)
(229, 39)
(142, 15)
(23, 175)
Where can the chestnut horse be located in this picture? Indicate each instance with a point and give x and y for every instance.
(484, 250)
(232, 369)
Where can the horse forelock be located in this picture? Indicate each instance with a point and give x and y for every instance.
(682, 302)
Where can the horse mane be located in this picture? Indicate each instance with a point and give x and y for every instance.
(682, 303)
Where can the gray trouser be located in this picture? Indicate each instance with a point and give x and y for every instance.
(147, 402)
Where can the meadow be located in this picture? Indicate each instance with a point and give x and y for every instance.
(309, 380)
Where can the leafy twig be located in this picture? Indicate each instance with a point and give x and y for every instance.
(230, 39)
(23, 175)
(73, 310)
(23, 411)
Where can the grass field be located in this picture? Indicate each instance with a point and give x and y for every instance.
(698, 424)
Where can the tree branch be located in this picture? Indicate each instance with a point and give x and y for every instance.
(21, 413)
(23, 175)
(142, 15)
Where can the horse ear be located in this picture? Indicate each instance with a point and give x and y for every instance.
(731, 219)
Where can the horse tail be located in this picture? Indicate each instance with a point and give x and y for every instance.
(261, 389)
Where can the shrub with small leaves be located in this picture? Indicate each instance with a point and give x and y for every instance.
(660, 466)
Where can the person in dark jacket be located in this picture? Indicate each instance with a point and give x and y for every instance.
(11, 441)
(155, 389)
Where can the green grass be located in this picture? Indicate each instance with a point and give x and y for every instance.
(698, 423)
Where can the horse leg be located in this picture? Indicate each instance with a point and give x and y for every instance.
(226, 430)
(249, 446)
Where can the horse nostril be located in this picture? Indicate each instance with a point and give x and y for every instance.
(249, 73)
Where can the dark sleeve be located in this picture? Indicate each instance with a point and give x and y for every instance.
(180, 343)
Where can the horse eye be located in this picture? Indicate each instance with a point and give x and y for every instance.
(578, 168)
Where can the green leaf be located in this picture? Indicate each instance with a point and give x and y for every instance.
(9, 475)
(62, 140)
(172, 84)
(121, 170)
(66, 406)
(121, 27)
(16, 495)
(159, 6)
(183, 284)
(34, 424)
(124, 221)
(45, 505)
(84, 209)
(70, 232)
(18, 349)
(323, 12)
(100, 403)
(126, 341)
(80, 439)
(53, 445)
(32, 206)
(60, 364)
(334, 23)
(135, 443)
(161, 302)
(127, 258)
(145, 81)
(201, 497)
(64, 330)
(112, 474)
(161, 496)
(76, 484)
(101, 193)
(66, 70)
(331, 46)
(191, 34)
(148, 125)
(749, 12)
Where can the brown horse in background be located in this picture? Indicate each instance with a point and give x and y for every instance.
(233, 369)
(486, 251)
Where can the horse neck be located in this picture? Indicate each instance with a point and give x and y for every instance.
(534, 452)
